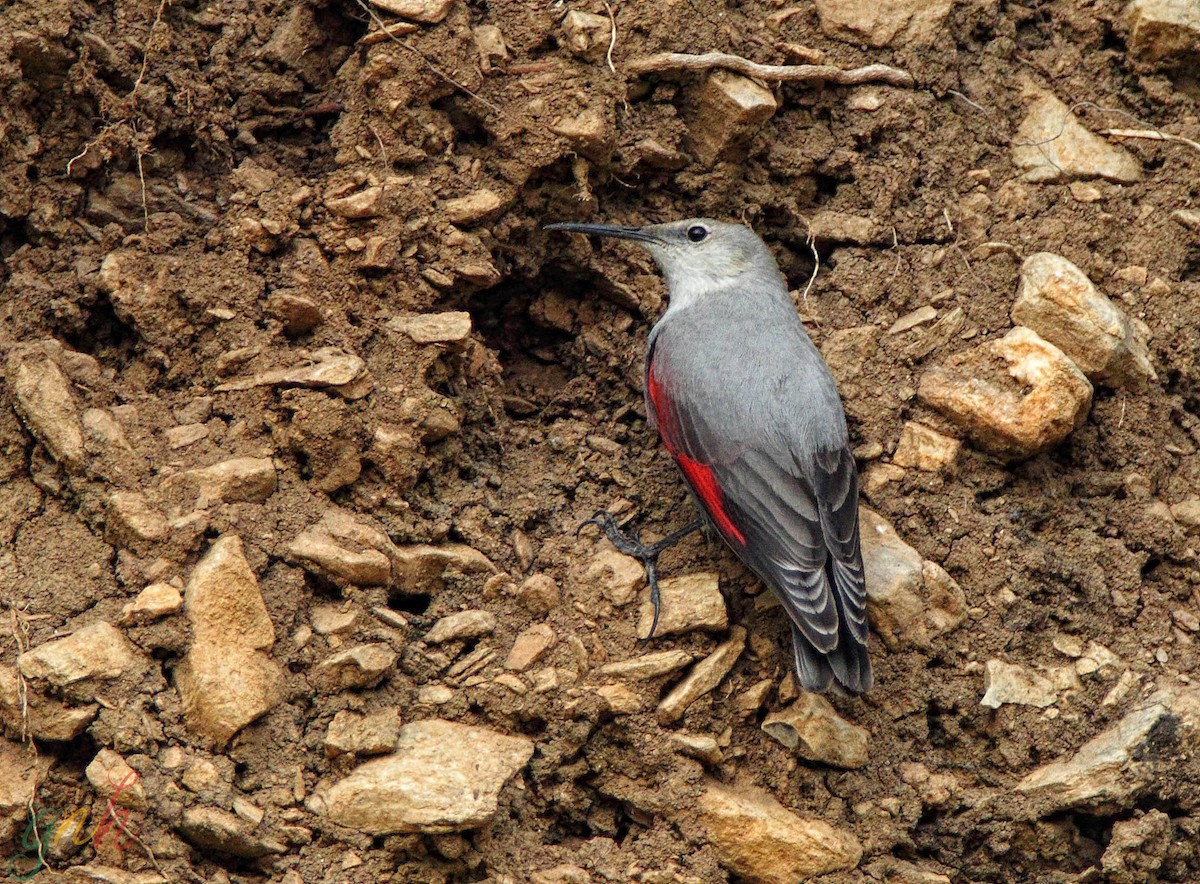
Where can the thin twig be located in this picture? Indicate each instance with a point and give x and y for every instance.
(1150, 135)
(804, 73)
(612, 37)
(437, 72)
(812, 244)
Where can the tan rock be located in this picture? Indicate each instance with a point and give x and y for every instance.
(371, 734)
(586, 35)
(620, 698)
(98, 652)
(113, 779)
(1052, 145)
(1187, 513)
(1059, 302)
(841, 227)
(910, 602)
(156, 601)
(1010, 683)
(1164, 33)
(223, 601)
(924, 448)
(699, 746)
(421, 568)
(812, 729)
(1015, 397)
(890, 22)
(357, 667)
(531, 646)
(223, 688)
(362, 204)
(451, 327)
(538, 594)
(241, 479)
(131, 520)
(22, 772)
(299, 314)
(763, 842)
(1138, 846)
(618, 576)
(341, 547)
(647, 665)
(490, 45)
(442, 777)
(705, 676)
(45, 718)
(588, 133)
(461, 626)
(424, 11)
(690, 602)
(729, 110)
(334, 619)
(327, 368)
(474, 208)
(42, 397)
(211, 829)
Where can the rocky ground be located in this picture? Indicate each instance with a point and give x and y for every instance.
(302, 408)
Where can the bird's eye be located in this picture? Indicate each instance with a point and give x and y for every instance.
(697, 233)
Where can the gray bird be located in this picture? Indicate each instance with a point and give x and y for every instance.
(746, 406)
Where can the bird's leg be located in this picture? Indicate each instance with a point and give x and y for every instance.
(630, 544)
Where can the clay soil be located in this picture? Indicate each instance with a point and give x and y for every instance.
(202, 142)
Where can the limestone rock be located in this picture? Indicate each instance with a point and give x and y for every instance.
(424, 11)
(647, 665)
(21, 775)
(451, 327)
(473, 208)
(588, 133)
(1009, 683)
(1014, 397)
(460, 626)
(46, 718)
(1137, 848)
(341, 547)
(42, 398)
(531, 646)
(763, 842)
(94, 653)
(1052, 145)
(618, 576)
(226, 680)
(132, 521)
(354, 206)
(327, 368)
(840, 227)
(813, 730)
(334, 619)
(489, 43)
(538, 594)
(442, 777)
(211, 829)
(357, 667)
(241, 479)
(371, 734)
(1187, 513)
(693, 601)
(586, 35)
(705, 676)
(729, 110)
(1164, 33)
(1059, 302)
(113, 778)
(421, 569)
(299, 314)
(909, 601)
(620, 698)
(924, 448)
(883, 23)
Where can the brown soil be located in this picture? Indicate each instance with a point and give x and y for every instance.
(202, 142)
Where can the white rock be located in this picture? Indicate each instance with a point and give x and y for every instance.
(424, 11)
(1010, 683)
(442, 777)
(647, 665)
(1052, 145)
(910, 602)
(762, 842)
(812, 729)
(1015, 397)
(693, 601)
(451, 327)
(1058, 301)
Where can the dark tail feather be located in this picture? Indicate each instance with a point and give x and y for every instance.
(848, 663)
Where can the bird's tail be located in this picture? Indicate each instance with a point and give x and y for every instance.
(848, 664)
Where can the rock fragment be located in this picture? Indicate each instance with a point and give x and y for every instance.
(1059, 302)
(328, 368)
(1052, 145)
(924, 448)
(21, 775)
(763, 842)
(588, 133)
(647, 665)
(618, 576)
(1164, 33)
(461, 626)
(334, 619)
(156, 601)
(113, 778)
(909, 601)
(211, 829)
(531, 646)
(428, 12)
(813, 730)
(729, 110)
(1010, 683)
(42, 397)
(421, 568)
(355, 206)
(1014, 397)
(690, 602)
(299, 314)
(538, 594)
(489, 43)
(1137, 848)
(341, 547)
(474, 208)
(357, 667)
(226, 679)
(98, 652)
(451, 327)
(442, 777)
(705, 676)
(897, 22)
(238, 480)
(586, 35)
(353, 734)
(131, 521)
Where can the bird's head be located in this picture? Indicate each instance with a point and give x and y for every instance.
(696, 255)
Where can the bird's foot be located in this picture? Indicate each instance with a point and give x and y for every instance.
(630, 544)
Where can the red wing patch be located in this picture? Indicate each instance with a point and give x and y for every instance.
(700, 476)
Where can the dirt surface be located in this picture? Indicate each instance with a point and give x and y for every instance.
(207, 147)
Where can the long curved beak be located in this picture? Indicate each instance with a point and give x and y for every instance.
(639, 234)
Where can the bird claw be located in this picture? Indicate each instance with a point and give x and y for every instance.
(630, 544)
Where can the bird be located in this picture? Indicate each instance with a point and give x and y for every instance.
(751, 415)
